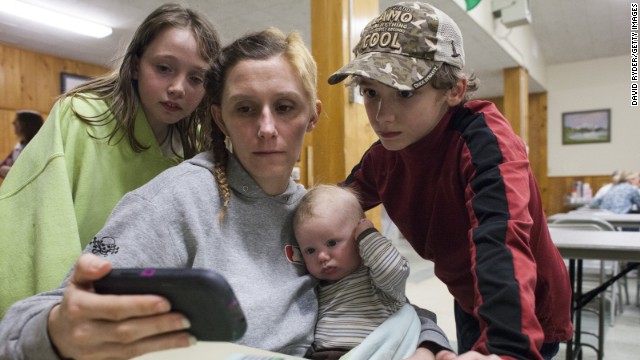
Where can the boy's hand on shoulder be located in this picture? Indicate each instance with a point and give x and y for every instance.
(363, 225)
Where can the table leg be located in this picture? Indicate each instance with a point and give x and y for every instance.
(578, 313)
(572, 278)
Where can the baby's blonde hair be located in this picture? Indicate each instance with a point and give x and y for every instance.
(320, 195)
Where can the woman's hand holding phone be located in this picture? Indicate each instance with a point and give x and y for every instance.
(90, 325)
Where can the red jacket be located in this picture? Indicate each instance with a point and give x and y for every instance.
(464, 196)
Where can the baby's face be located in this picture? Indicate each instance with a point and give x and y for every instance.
(328, 245)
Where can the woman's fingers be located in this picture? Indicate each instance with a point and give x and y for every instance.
(79, 304)
(90, 325)
(136, 329)
(150, 344)
(89, 268)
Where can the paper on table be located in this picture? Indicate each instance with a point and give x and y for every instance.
(211, 350)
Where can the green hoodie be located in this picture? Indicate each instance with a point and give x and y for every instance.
(60, 192)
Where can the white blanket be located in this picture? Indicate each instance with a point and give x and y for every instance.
(394, 339)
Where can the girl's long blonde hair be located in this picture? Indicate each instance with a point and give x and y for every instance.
(119, 90)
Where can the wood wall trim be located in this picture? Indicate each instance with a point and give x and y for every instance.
(329, 26)
(31, 80)
(343, 133)
(516, 94)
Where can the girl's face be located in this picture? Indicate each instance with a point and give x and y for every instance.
(170, 76)
(400, 118)
(265, 111)
(328, 245)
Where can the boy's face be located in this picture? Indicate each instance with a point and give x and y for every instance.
(400, 118)
(328, 245)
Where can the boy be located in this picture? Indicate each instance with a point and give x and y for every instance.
(456, 181)
(362, 276)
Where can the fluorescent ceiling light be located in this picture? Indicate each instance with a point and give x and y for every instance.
(55, 19)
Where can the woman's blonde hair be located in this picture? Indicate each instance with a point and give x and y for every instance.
(259, 45)
(119, 89)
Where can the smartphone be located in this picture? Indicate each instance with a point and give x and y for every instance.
(203, 296)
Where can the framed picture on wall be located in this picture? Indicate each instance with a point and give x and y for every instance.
(586, 127)
(69, 81)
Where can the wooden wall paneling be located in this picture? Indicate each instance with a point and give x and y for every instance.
(8, 138)
(10, 72)
(560, 186)
(31, 80)
(82, 68)
(516, 99)
(343, 134)
(538, 142)
(498, 102)
(357, 127)
(360, 136)
(329, 26)
(40, 84)
(356, 121)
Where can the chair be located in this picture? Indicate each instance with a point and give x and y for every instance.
(593, 268)
(597, 270)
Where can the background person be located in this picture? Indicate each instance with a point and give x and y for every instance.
(26, 125)
(623, 196)
(102, 140)
(615, 178)
(455, 179)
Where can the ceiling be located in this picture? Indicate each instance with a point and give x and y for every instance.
(566, 30)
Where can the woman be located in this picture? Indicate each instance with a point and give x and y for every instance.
(26, 125)
(231, 213)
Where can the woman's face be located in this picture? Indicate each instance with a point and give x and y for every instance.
(266, 112)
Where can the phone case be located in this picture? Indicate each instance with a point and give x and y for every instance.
(203, 296)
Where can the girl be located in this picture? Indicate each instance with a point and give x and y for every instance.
(101, 141)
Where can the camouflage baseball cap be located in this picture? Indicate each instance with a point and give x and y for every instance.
(404, 47)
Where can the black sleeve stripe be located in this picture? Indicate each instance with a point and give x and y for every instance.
(500, 304)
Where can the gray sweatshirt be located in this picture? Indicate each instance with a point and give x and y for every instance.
(172, 221)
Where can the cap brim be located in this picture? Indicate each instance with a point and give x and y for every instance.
(398, 71)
